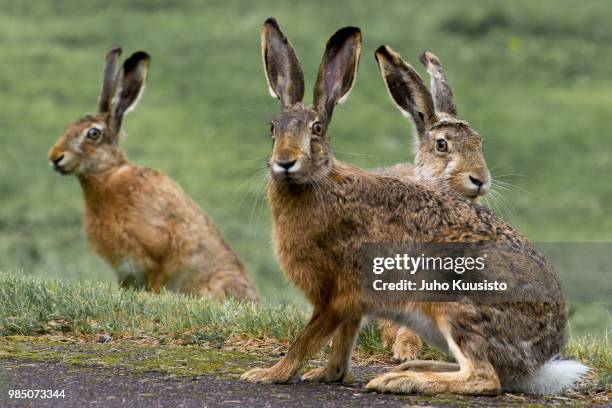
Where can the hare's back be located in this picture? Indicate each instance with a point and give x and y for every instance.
(402, 171)
(145, 212)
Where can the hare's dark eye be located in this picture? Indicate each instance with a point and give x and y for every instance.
(441, 145)
(317, 128)
(271, 129)
(94, 133)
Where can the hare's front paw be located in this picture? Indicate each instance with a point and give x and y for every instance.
(265, 376)
(325, 375)
(407, 346)
(403, 352)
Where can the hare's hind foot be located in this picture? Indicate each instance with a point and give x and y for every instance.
(430, 383)
(472, 376)
(427, 365)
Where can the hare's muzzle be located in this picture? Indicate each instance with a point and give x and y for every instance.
(285, 164)
(477, 185)
(57, 164)
(59, 161)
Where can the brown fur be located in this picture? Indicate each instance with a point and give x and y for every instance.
(324, 210)
(404, 344)
(139, 220)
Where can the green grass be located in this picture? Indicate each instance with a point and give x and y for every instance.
(532, 77)
(32, 306)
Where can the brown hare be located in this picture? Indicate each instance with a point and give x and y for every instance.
(137, 219)
(448, 158)
(325, 210)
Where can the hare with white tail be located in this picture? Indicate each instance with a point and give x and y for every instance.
(449, 158)
(324, 210)
(137, 219)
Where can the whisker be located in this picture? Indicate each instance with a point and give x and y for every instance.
(355, 154)
(256, 173)
(250, 187)
(508, 175)
(509, 186)
(257, 205)
(501, 205)
(509, 208)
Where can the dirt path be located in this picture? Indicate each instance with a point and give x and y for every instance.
(127, 375)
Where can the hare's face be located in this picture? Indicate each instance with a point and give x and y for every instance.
(300, 151)
(451, 154)
(90, 145)
(84, 148)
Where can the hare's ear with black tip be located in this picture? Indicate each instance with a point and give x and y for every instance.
(406, 88)
(338, 70)
(440, 88)
(110, 76)
(128, 88)
(283, 71)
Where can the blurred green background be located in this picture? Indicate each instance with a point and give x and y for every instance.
(533, 78)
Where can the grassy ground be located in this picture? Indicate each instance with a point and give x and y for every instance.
(31, 306)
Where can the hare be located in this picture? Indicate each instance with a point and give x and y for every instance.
(324, 210)
(450, 160)
(139, 220)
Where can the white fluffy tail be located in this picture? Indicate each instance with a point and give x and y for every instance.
(553, 377)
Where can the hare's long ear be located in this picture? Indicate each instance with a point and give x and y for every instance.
(406, 88)
(110, 76)
(441, 90)
(338, 70)
(283, 72)
(128, 88)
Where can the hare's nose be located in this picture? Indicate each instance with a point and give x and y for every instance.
(58, 160)
(476, 182)
(286, 164)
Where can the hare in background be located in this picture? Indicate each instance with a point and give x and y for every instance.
(137, 219)
(324, 210)
(448, 157)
